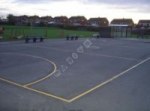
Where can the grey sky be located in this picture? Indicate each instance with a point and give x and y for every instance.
(121, 2)
(136, 9)
(139, 5)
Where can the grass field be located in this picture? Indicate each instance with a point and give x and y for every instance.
(12, 32)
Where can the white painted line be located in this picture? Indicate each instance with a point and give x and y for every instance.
(108, 81)
(90, 54)
(109, 56)
(94, 47)
(82, 94)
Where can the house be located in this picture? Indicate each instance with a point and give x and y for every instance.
(22, 20)
(98, 22)
(60, 20)
(46, 20)
(34, 19)
(144, 23)
(78, 21)
(121, 27)
(122, 22)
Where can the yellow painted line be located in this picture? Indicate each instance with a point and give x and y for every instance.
(39, 80)
(80, 95)
(34, 90)
(47, 94)
(107, 81)
(10, 82)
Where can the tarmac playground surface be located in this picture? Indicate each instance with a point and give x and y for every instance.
(79, 75)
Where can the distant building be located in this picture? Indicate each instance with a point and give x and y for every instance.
(26, 20)
(122, 22)
(98, 22)
(78, 21)
(22, 20)
(60, 20)
(121, 27)
(46, 19)
(34, 19)
(144, 23)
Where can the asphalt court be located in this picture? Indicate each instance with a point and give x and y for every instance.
(70, 70)
(13, 68)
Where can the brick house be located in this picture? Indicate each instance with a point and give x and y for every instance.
(78, 21)
(46, 19)
(25, 20)
(144, 23)
(123, 22)
(34, 19)
(60, 20)
(98, 22)
(22, 20)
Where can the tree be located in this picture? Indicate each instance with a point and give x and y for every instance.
(11, 19)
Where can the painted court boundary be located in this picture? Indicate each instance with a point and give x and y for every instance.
(37, 57)
(80, 95)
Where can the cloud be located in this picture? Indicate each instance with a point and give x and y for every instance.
(112, 2)
(120, 2)
(117, 3)
(30, 1)
(37, 1)
(4, 9)
(136, 6)
(135, 9)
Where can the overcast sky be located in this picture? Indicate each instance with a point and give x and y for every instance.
(135, 9)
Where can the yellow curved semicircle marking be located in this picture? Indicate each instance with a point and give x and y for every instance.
(80, 95)
(39, 80)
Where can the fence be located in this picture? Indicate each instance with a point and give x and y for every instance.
(123, 32)
(20, 32)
